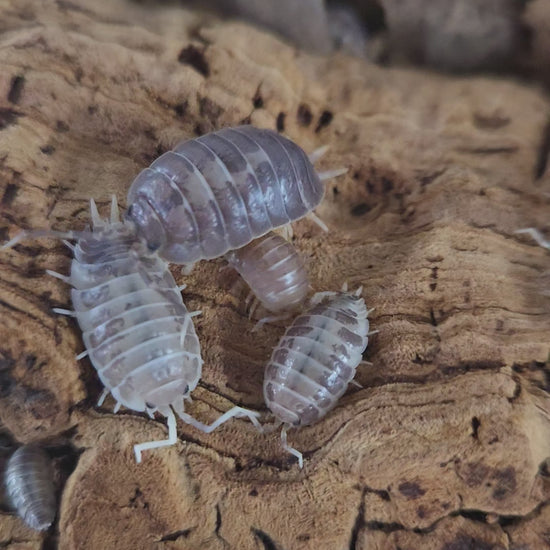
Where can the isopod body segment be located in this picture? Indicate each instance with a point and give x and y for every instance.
(274, 270)
(220, 191)
(30, 487)
(315, 360)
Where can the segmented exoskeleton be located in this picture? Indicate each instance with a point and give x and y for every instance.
(315, 360)
(222, 190)
(136, 329)
(30, 487)
(274, 271)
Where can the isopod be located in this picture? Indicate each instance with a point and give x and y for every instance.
(222, 190)
(136, 329)
(315, 360)
(274, 271)
(30, 487)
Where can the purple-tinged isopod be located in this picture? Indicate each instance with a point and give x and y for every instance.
(275, 273)
(222, 190)
(136, 329)
(30, 487)
(315, 360)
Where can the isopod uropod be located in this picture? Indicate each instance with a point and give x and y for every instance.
(30, 488)
(315, 360)
(136, 329)
(222, 190)
(274, 271)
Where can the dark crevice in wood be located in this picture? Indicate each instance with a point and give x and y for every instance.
(543, 152)
(266, 540)
(16, 89)
(359, 522)
(183, 533)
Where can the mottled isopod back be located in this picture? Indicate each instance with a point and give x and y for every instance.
(136, 328)
(220, 191)
(316, 359)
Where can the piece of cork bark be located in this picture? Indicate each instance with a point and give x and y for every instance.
(445, 445)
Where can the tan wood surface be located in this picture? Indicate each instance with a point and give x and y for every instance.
(445, 445)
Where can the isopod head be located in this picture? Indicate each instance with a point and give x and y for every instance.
(147, 223)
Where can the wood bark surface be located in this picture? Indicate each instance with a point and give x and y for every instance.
(444, 446)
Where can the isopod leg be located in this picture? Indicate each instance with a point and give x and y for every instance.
(82, 355)
(537, 235)
(62, 311)
(102, 397)
(249, 300)
(253, 307)
(39, 233)
(185, 326)
(115, 218)
(96, 218)
(315, 219)
(69, 245)
(235, 411)
(172, 437)
(59, 276)
(290, 449)
(329, 174)
(187, 268)
(286, 232)
(318, 153)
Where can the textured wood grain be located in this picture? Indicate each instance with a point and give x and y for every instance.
(445, 445)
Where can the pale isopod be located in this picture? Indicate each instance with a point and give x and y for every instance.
(274, 271)
(315, 360)
(136, 329)
(30, 487)
(222, 190)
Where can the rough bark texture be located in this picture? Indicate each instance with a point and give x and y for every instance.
(445, 445)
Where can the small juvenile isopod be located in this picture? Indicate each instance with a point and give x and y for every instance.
(30, 488)
(222, 190)
(136, 329)
(315, 360)
(274, 271)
